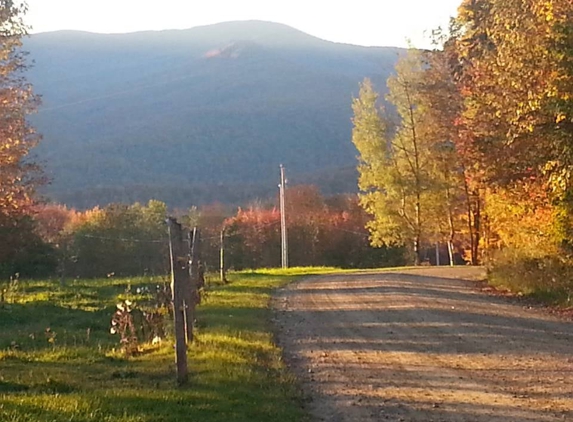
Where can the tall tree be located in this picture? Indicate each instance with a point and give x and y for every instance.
(18, 175)
(375, 167)
(395, 177)
(516, 73)
(457, 178)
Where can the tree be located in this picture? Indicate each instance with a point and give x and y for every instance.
(455, 167)
(515, 71)
(394, 158)
(119, 239)
(18, 175)
(516, 74)
(369, 135)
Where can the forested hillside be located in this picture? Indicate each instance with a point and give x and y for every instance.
(195, 116)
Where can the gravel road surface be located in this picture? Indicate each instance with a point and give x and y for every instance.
(423, 345)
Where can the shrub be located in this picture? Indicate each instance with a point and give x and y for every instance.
(547, 277)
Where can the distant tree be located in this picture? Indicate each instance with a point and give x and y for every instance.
(307, 219)
(119, 239)
(253, 238)
(53, 223)
(344, 240)
(322, 231)
(210, 220)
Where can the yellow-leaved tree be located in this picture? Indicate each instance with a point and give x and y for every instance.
(395, 161)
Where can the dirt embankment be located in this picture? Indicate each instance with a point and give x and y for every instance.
(423, 345)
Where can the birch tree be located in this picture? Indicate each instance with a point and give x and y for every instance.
(395, 158)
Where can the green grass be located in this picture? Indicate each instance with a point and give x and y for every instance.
(236, 371)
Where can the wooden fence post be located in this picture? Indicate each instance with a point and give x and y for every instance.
(194, 273)
(179, 277)
(195, 270)
(191, 292)
(198, 258)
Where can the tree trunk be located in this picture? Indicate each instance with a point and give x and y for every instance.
(451, 253)
(417, 260)
(473, 210)
(469, 216)
(452, 227)
(418, 231)
(476, 229)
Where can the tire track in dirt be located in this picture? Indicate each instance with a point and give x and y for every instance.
(421, 345)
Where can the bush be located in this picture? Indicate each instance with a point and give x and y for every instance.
(121, 240)
(22, 251)
(548, 277)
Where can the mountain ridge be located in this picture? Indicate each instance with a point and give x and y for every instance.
(136, 109)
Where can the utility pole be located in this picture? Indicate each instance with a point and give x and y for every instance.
(284, 241)
(222, 258)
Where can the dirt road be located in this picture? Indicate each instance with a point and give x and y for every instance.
(421, 345)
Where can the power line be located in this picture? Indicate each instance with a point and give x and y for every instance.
(121, 239)
(349, 231)
(284, 239)
(112, 95)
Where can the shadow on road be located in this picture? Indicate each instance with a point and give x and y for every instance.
(394, 345)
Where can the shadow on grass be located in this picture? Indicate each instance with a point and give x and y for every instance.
(218, 318)
(12, 387)
(235, 372)
(238, 400)
(77, 314)
(145, 390)
(25, 326)
(234, 288)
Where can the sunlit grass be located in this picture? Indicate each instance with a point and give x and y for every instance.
(309, 271)
(76, 372)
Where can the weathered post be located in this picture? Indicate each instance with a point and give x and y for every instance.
(191, 291)
(195, 274)
(179, 275)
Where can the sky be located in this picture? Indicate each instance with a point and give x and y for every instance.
(361, 22)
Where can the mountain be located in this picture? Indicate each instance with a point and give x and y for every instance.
(189, 116)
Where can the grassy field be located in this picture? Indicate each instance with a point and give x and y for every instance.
(59, 362)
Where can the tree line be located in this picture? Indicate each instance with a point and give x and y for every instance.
(123, 240)
(475, 149)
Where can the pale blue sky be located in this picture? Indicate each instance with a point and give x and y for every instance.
(362, 22)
